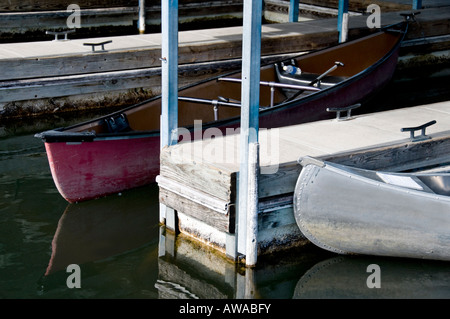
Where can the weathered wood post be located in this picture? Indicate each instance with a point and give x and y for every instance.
(293, 10)
(141, 21)
(169, 87)
(251, 56)
(343, 20)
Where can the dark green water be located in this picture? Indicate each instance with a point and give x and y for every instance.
(124, 253)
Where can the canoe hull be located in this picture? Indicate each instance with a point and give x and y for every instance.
(87, 170)
(349, 214)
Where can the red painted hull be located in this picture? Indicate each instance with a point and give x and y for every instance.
(88, 170)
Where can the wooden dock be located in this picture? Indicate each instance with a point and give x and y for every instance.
(57, 76)
(199, 180)
(27, 20)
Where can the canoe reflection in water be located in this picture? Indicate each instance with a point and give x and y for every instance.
(98, 229)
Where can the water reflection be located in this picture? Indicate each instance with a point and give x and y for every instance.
(346, 277)
(114, 240)
(98, 229)
(189, 270)
(119, 241)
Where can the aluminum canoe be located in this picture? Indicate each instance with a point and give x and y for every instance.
(348, 210)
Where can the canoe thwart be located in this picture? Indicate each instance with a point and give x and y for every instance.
(347, 109)
(274, 85)
(102, 44)
(221, 101)
(58, 33)
(422, 128)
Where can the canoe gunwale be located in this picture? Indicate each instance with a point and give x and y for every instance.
(355, 173)
(63, 136)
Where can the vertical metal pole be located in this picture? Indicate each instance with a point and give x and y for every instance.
(141, 20)
(293, 11)
(343, 20)
(417, 4)
(251, 55)
(169, 72)
(169, 80)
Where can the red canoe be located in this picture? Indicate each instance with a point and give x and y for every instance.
(121, 151)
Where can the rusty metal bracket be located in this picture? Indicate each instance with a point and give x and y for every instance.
(347, 109)
(421, 128)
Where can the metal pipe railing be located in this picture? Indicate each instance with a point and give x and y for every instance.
(214, 103)
(274, 85)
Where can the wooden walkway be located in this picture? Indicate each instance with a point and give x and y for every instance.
(199, 180)
(50, 76)
(194, 46)
(27, 20)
